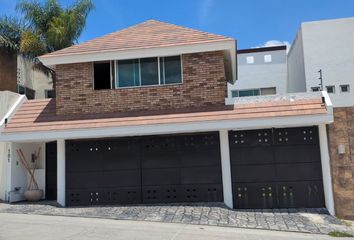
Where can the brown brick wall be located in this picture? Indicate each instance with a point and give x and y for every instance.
(8, 71)
(204, 84)
(342, 132)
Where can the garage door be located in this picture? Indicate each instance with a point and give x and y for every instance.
(154, 169)
(276, 168)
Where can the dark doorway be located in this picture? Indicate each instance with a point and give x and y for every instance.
(51, 170)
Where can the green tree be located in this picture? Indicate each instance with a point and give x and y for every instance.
(43, 27)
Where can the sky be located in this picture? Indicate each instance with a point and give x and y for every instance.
(253, 23)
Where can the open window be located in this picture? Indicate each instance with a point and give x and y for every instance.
(102, 75)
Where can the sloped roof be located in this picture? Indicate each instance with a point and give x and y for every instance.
(40, 115)
(148, 34)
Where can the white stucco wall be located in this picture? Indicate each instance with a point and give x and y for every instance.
(296, 81)
(7, 99)
(327, 45)
(33, 78)
(261, 74)
(18, 178)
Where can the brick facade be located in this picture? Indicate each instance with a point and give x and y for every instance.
(342, 132)
(204, 85)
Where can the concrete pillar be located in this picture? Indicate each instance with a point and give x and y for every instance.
(326, 169)
(61, 172)
(226, 168)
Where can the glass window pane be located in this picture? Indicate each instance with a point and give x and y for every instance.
(128, 73)
(234, 93)
(245, 93)
(149, 71)
(256, 92)
(172, 67)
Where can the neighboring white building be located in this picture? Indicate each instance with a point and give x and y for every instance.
(326, 45)
(261, 71)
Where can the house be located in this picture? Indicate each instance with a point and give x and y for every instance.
(141, 116)
(325, 49)
(20, 75)
(261, 71)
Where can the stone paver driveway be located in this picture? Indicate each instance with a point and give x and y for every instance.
(298, 220)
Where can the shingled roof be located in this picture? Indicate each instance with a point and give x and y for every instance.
(40, 115)
(148, 34)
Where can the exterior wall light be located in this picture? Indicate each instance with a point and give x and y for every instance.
(341, 149)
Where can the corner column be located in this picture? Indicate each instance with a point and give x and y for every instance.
(326, 169)
(61, 172)
(226, 167)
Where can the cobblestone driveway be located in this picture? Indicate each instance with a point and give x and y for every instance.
(298, 220)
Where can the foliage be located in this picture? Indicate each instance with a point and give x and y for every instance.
(339, 234)
(43, 27)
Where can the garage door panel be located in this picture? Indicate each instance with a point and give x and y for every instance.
(255, 195)
(289, 136)
(166, 159)
(301, 194)
(207, 157)
(127, 178)
(253, 173)
(201, 175)
(153, 169)
(183, 193)
(120, 161)
(297, 154)
(250, 138)
(251, 155)
(299, 172)
(160, 176)
(84, 180)
(285, 172)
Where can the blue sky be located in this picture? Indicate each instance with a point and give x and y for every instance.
(251, 22)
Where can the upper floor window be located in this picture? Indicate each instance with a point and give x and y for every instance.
(267, 58)
(30, 93)
(49, 93)
(330, 89)
(253, 92)
(315, 89)
(250, 60)
(102, 75)
(149, 71)
(344, 88)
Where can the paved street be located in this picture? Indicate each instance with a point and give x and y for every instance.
(33, 227)
(203, 214)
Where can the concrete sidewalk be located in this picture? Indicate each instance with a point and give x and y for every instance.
(33, 227)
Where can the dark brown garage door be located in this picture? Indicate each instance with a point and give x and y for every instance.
(154, 169)
(276, 168)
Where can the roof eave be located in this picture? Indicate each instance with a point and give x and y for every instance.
(169, 128)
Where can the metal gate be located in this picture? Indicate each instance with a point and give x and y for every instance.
(276, 168)
(154, 169)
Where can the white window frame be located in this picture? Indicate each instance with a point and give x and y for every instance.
(250, 59)
(110, 74)
(154, 85)
(268, 58)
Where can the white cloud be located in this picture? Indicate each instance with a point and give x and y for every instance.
(204, 15)
(272, 43)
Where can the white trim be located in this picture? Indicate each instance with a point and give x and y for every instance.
(138, 53)
(328, 102)
(61, 172)
(226, 168)
(12, 111)
(170, 128)
(326, 169)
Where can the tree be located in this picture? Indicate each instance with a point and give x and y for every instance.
(43, 27)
